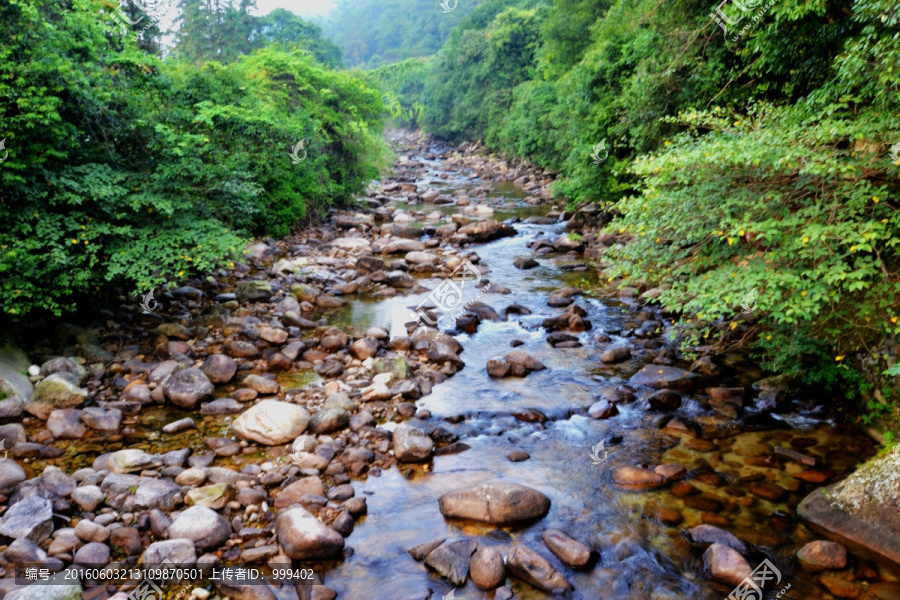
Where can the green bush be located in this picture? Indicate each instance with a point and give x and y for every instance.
(128, 170)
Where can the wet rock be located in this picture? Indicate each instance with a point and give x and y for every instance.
(451, 560)
(768, 490)
(727, 401)
(102, 419)
(204, 527)
(486, 568)
(671, 471)
(726, 564)
(221, 406)
(617, 354)
(487, 230)
(253, 291)
(822, 556)
(187, 387)
(709, 534)
(58, 390)
(636, 478)
(65, 424)
(130, 460)
(412, 444)
(271, 422)
(664, 400)
(497, 502)
(303, 537)
(422, 550)
(526, 263)
(30, 518)
(498, 368)
(529, 566)
(661, 376)
(602, 410)
(518, 456)
(572, 552)
(839, 586)
(177, 552)
(179, 426)
(219, 368)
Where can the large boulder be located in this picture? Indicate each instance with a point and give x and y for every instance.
(187, 387)
(497, 502)
(271, 422)
(860, 512)
(302, 536)
(58, 390)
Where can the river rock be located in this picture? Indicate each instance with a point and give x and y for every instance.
(451, 560)
(822, 556)
(180, 553)
(201, 525)
(88, 497)
(617, 354)
(253, 291)
(710, 534)
(365, 348)
(664, 400)
(163, 494)
(216, 495)
(486, 568)
(412, 444)
(187, 387)
(30, 518)
(219, 368)
(726, 564)
(130, 460)
(64, 364)
(487, 230)
(526, 263)
(328, 420)
(93, 554)
(662, 376)
(102, 418)
(860, 512)
(602, 410)
(531, 567)
(303, 537)
(61, 586)
(271, 422)
(572, 552)
(497, 502)
(636, 478)
(11, 475)
(65, 424)
(58, 390)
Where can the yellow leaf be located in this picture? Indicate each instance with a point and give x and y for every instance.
(730, 241)
(734, 325)
(805, 239)
(839, 358)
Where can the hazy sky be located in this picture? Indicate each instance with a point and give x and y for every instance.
(304, 8)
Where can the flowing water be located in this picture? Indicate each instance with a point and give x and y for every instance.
(638, 556)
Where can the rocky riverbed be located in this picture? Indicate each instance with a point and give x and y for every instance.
(435, 393)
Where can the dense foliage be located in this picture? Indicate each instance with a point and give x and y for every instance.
(372, 33)
(748, 163)
(403, 84)
(126, 169)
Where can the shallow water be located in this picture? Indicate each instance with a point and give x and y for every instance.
(638, 556)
